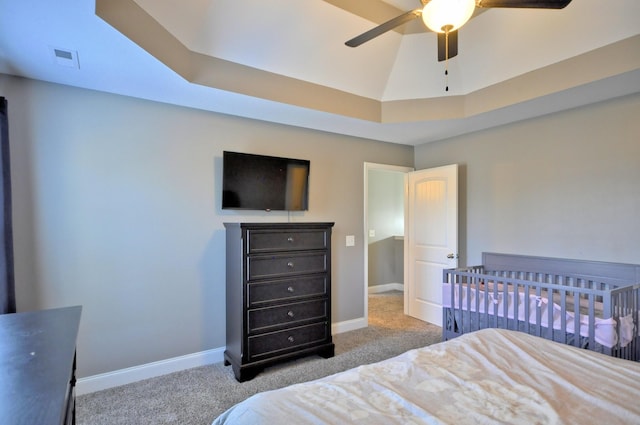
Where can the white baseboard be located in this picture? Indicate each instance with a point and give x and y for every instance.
(116, 378)
(348, 325)
(386, 287)
(129, 375)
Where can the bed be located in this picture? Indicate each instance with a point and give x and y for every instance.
(592, 305)
(487, 376)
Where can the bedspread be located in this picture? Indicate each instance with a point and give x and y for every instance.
(488, 376)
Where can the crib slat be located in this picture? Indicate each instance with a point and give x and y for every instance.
(592, 321)
(563, 315)
(576, 320)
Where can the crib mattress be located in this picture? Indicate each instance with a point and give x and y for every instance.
(487, 376)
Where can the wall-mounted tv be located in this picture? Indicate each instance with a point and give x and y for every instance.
(259, 182)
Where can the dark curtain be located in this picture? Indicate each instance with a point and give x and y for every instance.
(7, 288)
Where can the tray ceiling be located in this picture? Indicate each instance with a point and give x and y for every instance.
(285, 60)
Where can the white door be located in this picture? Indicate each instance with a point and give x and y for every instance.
(431, 239)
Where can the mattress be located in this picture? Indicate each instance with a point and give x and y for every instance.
(488, 376)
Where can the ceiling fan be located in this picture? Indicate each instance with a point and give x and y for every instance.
(445, 17)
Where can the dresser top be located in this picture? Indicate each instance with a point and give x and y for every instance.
(273, 225)
(36, 359)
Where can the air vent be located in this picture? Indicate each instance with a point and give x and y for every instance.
(63, 54)
(65, 57)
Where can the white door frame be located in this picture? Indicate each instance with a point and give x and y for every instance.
(368, 166)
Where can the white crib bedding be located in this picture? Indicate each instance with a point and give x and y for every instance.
(605, 328)
(489, 376)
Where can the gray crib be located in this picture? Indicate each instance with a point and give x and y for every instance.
(589, 304)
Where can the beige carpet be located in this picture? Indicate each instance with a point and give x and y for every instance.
(197, 396)
(386, 310)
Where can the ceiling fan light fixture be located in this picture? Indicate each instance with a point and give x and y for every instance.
(447, 15)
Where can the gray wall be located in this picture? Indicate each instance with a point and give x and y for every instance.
(563, 185)
(117, 208)
(386, 217)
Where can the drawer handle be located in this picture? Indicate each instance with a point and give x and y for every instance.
(290, 289)
(290, 313)
(290, 239)
(290, 264)
(291, 339)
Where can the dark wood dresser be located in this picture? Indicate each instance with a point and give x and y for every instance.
(278, 294)
(37, 366)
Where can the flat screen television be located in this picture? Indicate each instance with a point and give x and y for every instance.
(259, 182)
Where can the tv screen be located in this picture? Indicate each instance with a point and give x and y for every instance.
(259, 182)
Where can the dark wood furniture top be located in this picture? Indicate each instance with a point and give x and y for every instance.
(37, 362)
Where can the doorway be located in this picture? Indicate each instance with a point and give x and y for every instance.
(430, 242)
(384, 204)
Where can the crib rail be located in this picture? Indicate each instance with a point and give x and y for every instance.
(598, 314)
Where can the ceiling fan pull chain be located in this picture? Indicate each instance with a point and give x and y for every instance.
(446, 79)
(446, 57)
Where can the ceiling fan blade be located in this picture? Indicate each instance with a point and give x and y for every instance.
(442, 45)
(381, 29)
(533, 4)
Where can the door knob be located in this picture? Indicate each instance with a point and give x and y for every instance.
(451, 256)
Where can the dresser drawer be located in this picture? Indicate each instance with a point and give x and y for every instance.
(285, 240)
(262, 319)
(262, 266)
(284, 290)
(274, 343)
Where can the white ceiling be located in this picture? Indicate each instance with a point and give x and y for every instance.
(549, 52)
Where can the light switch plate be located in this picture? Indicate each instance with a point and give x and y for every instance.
(351, 240)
